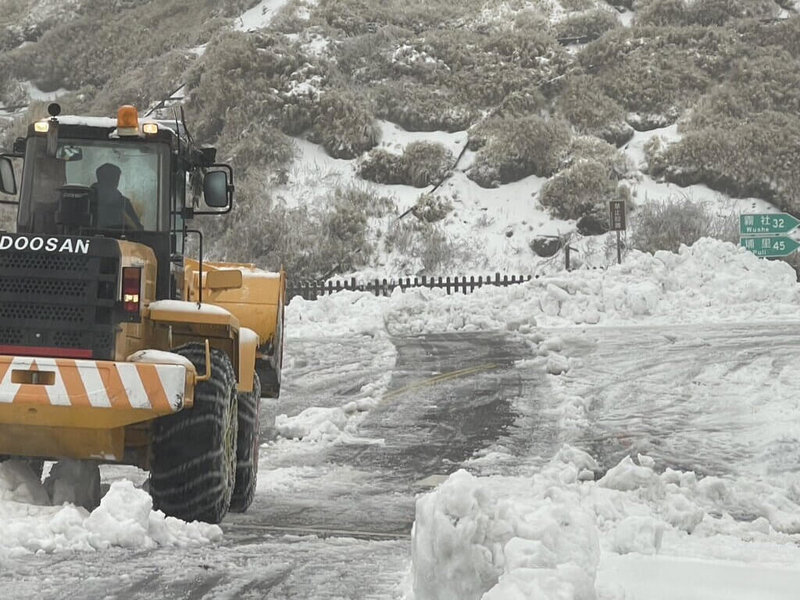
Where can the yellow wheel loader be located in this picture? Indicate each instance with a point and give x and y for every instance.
(114, 345)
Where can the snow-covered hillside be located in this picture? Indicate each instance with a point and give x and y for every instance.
(486, 229)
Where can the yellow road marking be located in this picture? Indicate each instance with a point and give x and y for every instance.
(440, 378)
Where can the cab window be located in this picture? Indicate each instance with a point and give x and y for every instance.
(126, 183)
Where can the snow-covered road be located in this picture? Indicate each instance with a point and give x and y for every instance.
(718, 400)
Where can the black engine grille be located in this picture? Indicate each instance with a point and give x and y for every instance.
(64, 301)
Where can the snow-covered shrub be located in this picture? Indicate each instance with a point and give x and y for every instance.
(580, 190)
(356, 17)
(426, 163)
(256, 145)
(417, 107)
(234, 8)
(757, 157)
(518, 147)
(661, 13)
(657, 91)
(268, 78)
(576, 4)
(719, 12)
(484, 69)
(431, 208)
(344, 124)
(19, 127)
(583, 103)
(95, 45)
(665, 225)
(140, 85)
(584, 147)
(654, 149)
(382, 166)
(784, 33)
(766, 81)
(12, 91)
(527, 100)
(590, 24)
(368, 57)
(421, 164)
(703, 12)
(656, 73)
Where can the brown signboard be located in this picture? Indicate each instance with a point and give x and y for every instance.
(616, 217)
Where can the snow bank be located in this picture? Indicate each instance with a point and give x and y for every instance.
(709, 282)
(505, 538)
(336, 315)
(545, 537)
(125, 518)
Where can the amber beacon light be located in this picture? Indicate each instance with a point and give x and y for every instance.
(127, 120)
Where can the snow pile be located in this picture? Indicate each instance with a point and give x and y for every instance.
(711, 281)
(124, 518)
(336, 315)
(552, 536)
(507, 539)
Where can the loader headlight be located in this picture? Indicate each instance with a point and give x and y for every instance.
(41, 127)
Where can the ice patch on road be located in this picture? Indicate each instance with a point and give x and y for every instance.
(125, 518)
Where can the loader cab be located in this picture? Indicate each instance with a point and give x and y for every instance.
(117, 178)
(95, 186)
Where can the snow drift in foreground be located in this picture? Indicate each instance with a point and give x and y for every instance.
(125, 518)
(709, 282)
(562, 536)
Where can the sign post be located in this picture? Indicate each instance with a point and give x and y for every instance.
(616, 220)
(762, 234)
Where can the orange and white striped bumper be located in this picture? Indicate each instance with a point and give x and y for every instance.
(90, 394)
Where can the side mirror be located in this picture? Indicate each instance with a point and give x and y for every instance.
(8, 182)
(216, 190)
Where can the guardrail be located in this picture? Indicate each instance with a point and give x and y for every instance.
(311, 290)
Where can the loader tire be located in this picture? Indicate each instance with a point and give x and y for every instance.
(193, 452)
(247, 448)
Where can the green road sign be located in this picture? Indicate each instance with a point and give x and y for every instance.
(770, 245)
(767, 223)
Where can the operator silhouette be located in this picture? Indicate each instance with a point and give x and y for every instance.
(114, 211)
